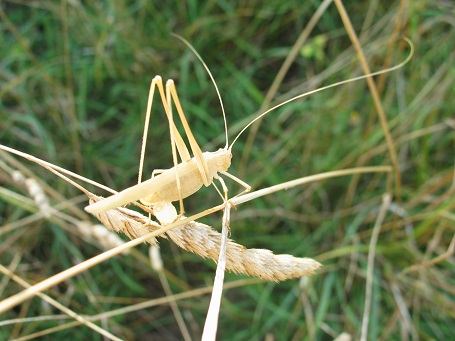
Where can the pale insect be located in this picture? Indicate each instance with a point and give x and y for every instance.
(188, 177)
(183, 179)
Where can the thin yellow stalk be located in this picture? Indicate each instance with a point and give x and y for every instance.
(374, 93)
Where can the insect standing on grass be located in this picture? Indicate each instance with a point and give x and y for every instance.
(187, 177)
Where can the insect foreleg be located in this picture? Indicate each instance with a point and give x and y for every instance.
(240, 182)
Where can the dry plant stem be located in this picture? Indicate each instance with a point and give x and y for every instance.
(382, 148)
(281, 74)
(307, 179)
(371, 254)
(157, 265)
(142, 306)
(174, 298)
(374, 94)
(51, 192)
(450, 251)
(48, 165)
(310, 327)
(211, 322)
(401, 17)
(404, 312)
(59, 306)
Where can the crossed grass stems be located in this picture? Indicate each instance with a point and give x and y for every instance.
(254, 262)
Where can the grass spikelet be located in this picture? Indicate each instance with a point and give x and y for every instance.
(108, 239)
(123, 220)
(38, 195)
(33, 188)
(204, 241)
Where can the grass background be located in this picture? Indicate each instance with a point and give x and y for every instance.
(74, 82)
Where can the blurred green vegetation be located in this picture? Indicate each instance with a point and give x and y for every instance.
(74, 83)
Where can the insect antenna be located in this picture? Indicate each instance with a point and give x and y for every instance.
(187, 43)
(325, 88)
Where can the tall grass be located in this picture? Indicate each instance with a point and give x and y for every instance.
(74, 82)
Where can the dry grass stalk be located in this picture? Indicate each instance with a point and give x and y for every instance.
(81, 319)
(157, 264)
(211, 321)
